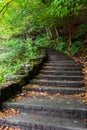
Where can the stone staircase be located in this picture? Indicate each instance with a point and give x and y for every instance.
(43, 111)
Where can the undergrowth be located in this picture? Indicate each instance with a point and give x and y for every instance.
(13, 53)
(60, 44)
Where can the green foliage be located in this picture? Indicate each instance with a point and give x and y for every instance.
(75, 47)
(18, 48)
(61, 46)
(63, 8)
(43, 41)
(68, 48)
(14, 53)
(16, 14)
(82, 30)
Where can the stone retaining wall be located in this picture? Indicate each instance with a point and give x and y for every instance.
(21, 77)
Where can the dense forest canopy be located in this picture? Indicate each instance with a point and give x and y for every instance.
(20, 14)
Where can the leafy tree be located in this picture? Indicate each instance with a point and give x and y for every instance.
(40, 11)
(33, 15)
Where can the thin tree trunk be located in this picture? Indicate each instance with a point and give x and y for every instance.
(47, 32)
(50, 32)
(57, 34)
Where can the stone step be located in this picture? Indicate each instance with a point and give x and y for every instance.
(63, 68)
(43, 122)
(63, 61)
(60, 59)
(61, 65)
(55, 77)
(58, 106)
(50, 66)
(61, 73)
(55, 90)
(58, 83)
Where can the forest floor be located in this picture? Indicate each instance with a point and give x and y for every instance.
(81, 56)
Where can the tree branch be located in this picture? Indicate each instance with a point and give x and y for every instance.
(5, 6)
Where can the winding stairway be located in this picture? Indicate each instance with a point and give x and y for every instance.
(62, 75)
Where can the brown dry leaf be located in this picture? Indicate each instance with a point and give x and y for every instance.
(11, 128)
(25, 93)
(19, 97)
(1, 114)
(2, 127)
(37, 94)
(57, 95)
(8, 128)
(17, 129)
(9, 112)
(32, 85)
(82, 58)
(82, 96)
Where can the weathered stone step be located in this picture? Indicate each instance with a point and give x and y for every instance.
(55, 90)
(67, 73)
(59, 106)
(62, 65)
(60, 59)
(63, 62)
(58, 83)
(63, 68)
(55, 77)
(43, 122)
(50, 108)
(59, 66)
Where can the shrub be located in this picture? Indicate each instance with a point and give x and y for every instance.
(15, 52)
(75, 47)
(61, 46)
